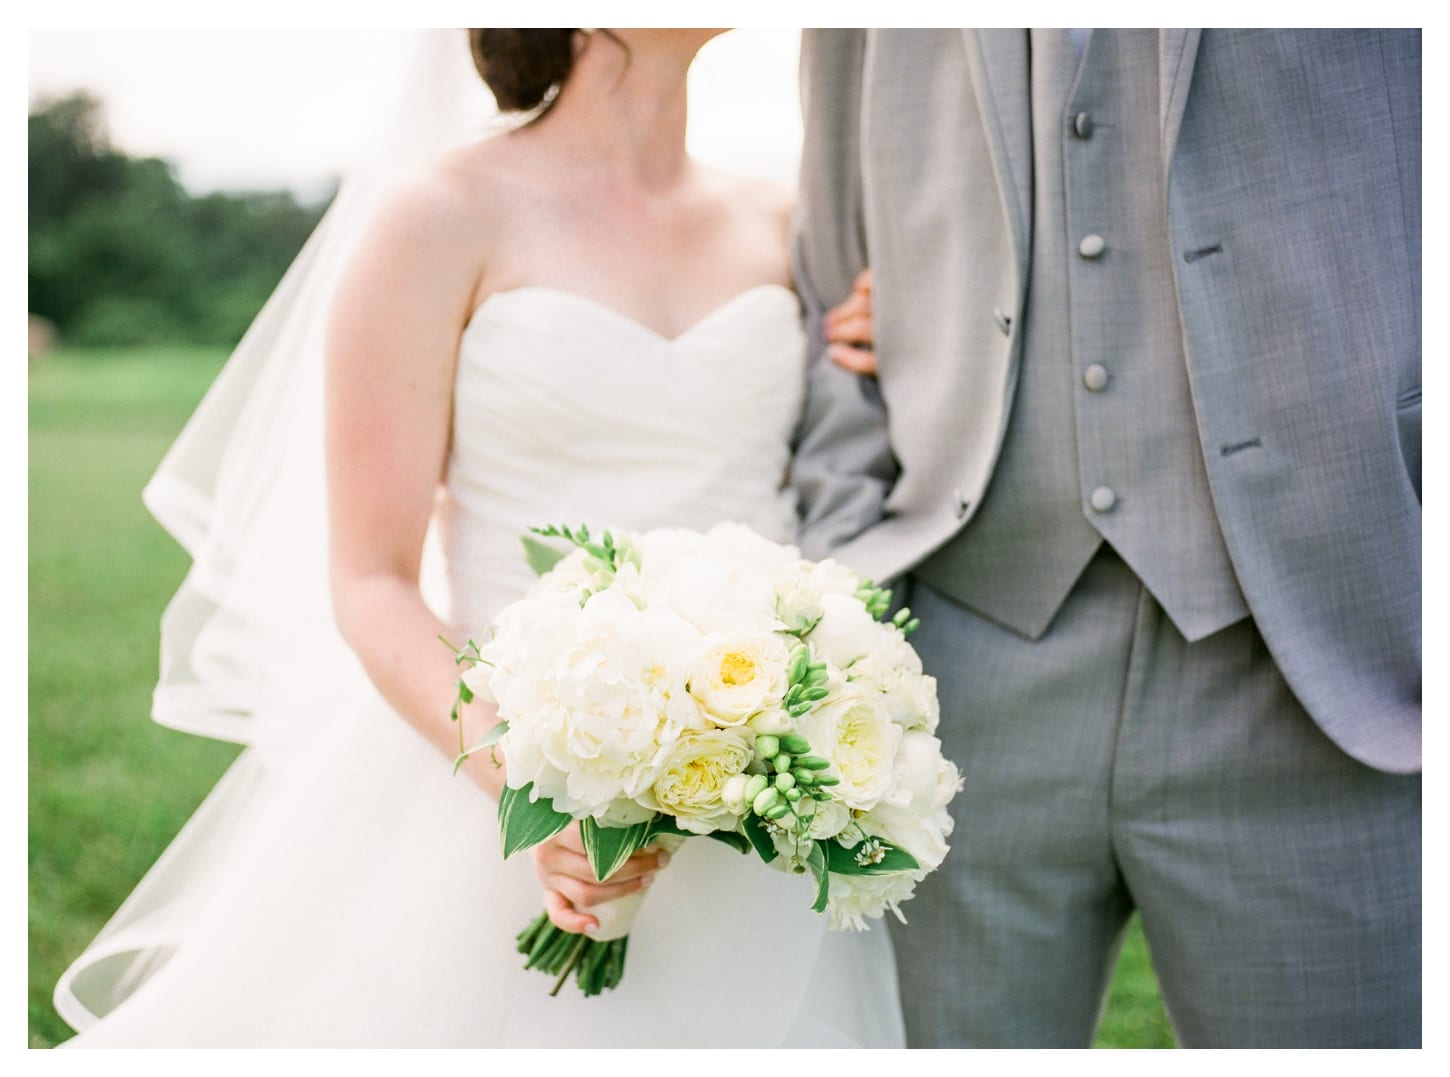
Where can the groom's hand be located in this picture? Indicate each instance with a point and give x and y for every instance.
(569, 883)
(850, 330)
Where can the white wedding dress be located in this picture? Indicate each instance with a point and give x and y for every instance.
(341, 888)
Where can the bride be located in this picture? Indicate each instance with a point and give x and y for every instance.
(569, 322)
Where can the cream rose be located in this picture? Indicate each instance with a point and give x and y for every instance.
(740, 675)
(855, 732)
(694, 777)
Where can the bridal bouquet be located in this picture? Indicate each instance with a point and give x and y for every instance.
(662, 685)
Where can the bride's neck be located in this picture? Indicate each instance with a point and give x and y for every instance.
(624, 105)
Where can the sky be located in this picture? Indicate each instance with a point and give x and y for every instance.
(238, 109)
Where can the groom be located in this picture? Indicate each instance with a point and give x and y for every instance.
(1146, 438)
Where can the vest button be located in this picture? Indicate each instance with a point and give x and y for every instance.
(1082, 125)
(1102, 499)
(1092, 246)
(1095, 378)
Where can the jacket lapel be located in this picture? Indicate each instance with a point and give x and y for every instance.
(1177, 53)
(998, 69)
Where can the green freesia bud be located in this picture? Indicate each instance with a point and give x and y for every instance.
(781, 763)
(792, 794)
(827, 779)
(778, 811)
(820, 691)
(767, 746)
(767, 799)
(813, 762)
(795, 744)
(754, 786)
(784, 782)
(803, 776)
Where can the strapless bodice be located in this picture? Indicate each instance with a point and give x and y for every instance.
(567, 411)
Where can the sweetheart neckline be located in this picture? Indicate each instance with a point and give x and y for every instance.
(618, 315)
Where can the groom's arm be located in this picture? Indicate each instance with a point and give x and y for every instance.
(843, 466)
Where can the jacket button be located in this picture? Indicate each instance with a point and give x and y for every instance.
(1082, 125)
(1092, 246)
(1102, 499)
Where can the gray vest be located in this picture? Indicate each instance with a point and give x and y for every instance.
(1102, 442)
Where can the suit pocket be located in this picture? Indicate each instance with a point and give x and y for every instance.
(1408, 417)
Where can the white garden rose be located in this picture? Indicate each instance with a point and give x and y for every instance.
(738, 676)
(855, 732)
(605, 713)
(847, 633)
(895, 673)
(694, 777)
(830, 819)
(800, 588)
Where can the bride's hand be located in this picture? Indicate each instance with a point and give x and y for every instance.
(569, 883)
(850, 331)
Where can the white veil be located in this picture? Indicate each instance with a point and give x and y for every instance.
(242, 491)
(242, 487)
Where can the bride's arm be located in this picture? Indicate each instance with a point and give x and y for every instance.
(392, 339)
(392, 342)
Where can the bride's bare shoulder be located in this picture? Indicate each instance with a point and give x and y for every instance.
(457, 206)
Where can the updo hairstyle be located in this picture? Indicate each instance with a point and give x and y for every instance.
(523, 68)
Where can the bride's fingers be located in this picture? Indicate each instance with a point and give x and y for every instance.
(582, 894)
(852, 329)
(562, 915)
(554, 860)
(855, 305)
(856, 360)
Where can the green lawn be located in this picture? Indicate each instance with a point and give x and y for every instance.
(108, 788)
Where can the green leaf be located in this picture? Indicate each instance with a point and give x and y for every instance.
(523, 823)
(540, 555)
(816, 861)
(843, 861)
(664, 824)
(465, 693)
(759, 837)
(608, 847)
(739, 842)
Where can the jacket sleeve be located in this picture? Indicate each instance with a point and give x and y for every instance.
(843, 466)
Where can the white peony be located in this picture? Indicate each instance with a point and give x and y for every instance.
(738, 676)
(855, 732)
(853, 899)
(914, 815)
(596, 723)
(693, 779)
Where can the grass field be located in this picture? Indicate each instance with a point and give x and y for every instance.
(108, 788)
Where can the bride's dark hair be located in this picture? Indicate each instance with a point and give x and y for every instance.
(523, 68)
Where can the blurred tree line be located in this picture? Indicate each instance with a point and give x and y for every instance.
(121, 254)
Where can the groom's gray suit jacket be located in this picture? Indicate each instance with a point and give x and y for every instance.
(1293, 207)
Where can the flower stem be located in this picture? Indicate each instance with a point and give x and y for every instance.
(574, 956)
